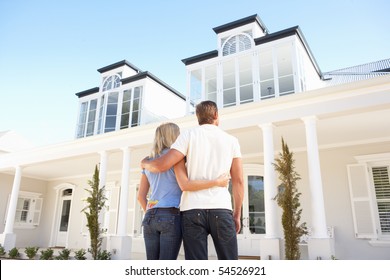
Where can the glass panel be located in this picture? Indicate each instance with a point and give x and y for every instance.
(196, 86)
(110, 124)
(285, 72)
(284, 61)
(91, 117)
(82, 119)
(107, 84)
(256, 204)
(244, 42)
(112, 108)
(134, 119)
(117, 81)
(245, 75)
(126, 109)
(229, 84)
(211, 83)
(267, 89)
(65, 215)
(286, 85)
(101, 111)
(230, 47)
(135, 116)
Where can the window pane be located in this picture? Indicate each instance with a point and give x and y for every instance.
(65, 215)
(82, 119)
(111, 109)
(91, 117)
(229, 84)
(134, 119)
(256, 204)
(196, 86)
(286, 84)
(266, 66)
(245, 76)
(211, 83)
(137, 92)
(267, 89)
(381, 179)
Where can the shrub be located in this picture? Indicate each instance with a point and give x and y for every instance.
(14, 253)
(80, 254)
(104, 255)
(63, 255)
(47, 254)
(2, 250)
(31, 252)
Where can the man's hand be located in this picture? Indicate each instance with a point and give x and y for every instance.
(144, 161)
(237, 222)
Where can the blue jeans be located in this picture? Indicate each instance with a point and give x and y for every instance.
(197, 224)
(162, 233)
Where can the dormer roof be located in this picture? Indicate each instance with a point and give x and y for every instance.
(117, 65)
(241, 22)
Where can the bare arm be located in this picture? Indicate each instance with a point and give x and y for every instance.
(196, 185)
(162, 163)
(143, 191)
(237, 190)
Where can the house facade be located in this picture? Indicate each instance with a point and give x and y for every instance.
(268, 86)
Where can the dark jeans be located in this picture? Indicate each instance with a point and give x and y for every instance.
(162, 233)
(199, 223)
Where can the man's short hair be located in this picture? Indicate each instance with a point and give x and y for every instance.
(206, 112)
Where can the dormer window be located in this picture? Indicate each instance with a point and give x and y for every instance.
(238, 43)
(112, 82)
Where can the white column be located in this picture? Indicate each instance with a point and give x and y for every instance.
(13, 201)
(103, 216)
(124, 195)
(270, 190)
(103, 168)
(317, 198)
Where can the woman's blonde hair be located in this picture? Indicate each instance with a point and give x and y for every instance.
(164, 137)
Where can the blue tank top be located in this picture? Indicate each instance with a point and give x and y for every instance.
(164, 189)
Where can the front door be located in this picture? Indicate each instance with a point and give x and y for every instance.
(252, 214)
(64, 212)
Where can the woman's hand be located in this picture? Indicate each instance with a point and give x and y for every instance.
(223, 180)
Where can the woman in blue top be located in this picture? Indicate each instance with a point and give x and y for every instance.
(162, 221)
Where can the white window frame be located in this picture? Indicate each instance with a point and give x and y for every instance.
(363, 198)
(27, 218)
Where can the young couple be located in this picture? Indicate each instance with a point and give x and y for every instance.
(188, 175)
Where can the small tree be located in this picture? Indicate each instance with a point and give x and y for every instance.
(288, 199)
(95, 203)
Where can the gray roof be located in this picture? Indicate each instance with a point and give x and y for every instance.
(357, 73)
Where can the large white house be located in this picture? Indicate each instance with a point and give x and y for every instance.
(268, 86)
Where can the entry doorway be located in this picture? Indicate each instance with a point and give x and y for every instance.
(63, 216)
(252, 212)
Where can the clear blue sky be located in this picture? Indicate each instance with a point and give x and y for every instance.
(49, 50)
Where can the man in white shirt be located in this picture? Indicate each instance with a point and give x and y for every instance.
(209, 152)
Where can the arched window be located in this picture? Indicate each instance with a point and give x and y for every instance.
(112, 82)
(238, 43)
